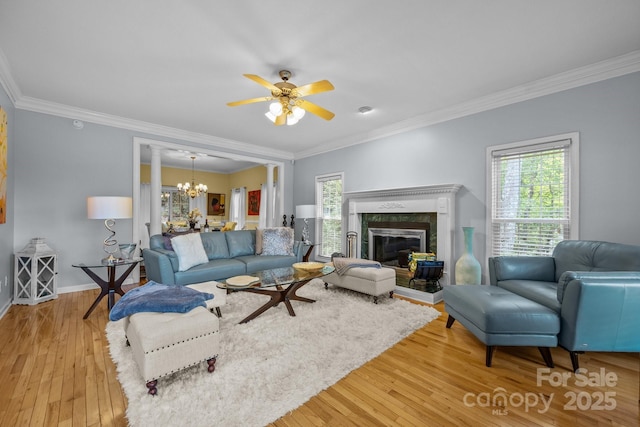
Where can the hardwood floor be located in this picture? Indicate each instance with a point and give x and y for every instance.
(55, 369)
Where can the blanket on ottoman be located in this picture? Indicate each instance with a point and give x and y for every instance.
(342, 265)
(156, 297)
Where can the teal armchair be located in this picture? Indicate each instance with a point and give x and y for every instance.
(593, 286)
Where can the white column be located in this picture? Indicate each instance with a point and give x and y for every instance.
(156, 190)
(270, 196)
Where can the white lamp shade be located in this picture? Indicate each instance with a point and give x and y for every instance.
(270, 116)
(306, 211)
(298, 112)
(106, 207)
(291, 119)
(275, 108)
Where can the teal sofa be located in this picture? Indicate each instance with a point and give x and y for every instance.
(593, 286)
(230, 253)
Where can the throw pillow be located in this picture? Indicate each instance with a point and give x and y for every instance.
(166, 241)
(229, 226)
(190, 250)
(277, 241)
(259, 241)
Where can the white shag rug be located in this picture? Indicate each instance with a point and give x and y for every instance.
(273, 364)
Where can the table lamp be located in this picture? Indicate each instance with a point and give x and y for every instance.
(305, 212)
(109, 209)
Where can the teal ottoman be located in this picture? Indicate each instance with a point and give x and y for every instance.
(498, 317)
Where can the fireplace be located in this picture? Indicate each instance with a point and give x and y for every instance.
(391, 242)
(394, 205)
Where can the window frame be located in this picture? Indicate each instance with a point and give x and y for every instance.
(173, 191)
(319, 181)
(573, 186)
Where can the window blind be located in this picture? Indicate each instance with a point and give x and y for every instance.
(329, 199)
(531, 200)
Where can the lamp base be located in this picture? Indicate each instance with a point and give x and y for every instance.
(305, 231)
(110, 260)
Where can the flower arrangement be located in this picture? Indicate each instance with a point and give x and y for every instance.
(194, 215)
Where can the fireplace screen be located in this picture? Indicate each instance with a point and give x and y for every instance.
(392, 246)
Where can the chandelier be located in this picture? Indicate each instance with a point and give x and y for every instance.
(192, 190)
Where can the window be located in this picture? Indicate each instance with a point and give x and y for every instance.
(533, 191)
(329, 225)
(174, 205)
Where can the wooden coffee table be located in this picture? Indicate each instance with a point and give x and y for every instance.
(281, 285)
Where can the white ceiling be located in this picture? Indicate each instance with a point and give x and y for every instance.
(170, 67)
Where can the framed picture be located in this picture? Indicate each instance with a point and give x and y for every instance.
(254, 203)
(215, 204)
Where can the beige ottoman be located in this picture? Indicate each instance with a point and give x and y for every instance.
(370, 281)
(219, 295)
(164, 343)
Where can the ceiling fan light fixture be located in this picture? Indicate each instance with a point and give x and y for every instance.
(291, 119)
(270, 116)
(286, 97)
(275, 108)
(298, 112)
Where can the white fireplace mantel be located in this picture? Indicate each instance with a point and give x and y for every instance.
(429, 198)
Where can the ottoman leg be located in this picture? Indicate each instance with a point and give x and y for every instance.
(212, 364)
(375, 299)
(546, 355)
(450, 321)
(326, 285)
(151, 385)
(490, 350)
(390, 294)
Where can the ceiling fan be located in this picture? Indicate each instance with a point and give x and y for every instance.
(289, 106)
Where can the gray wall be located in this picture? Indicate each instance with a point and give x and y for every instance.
(53, 168)
(606, 114)
(56, 168)
(6, 229)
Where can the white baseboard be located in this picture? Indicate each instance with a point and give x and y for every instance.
(86, 287)
(4, 309)
(65, 290)
(77, 288)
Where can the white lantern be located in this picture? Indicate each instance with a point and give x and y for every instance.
(36, 273)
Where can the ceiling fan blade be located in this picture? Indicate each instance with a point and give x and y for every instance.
(249, 101)
(314, 109)
(262, 82)
(280, 120)
(312, 88)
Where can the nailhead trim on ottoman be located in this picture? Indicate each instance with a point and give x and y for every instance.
(164, 343)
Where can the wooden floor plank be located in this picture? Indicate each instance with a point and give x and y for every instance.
(55, 370)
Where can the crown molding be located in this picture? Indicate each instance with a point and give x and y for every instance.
(61, 110)
(6, 80)
(614, 67)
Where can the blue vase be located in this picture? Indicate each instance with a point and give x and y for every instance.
(467, 266)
